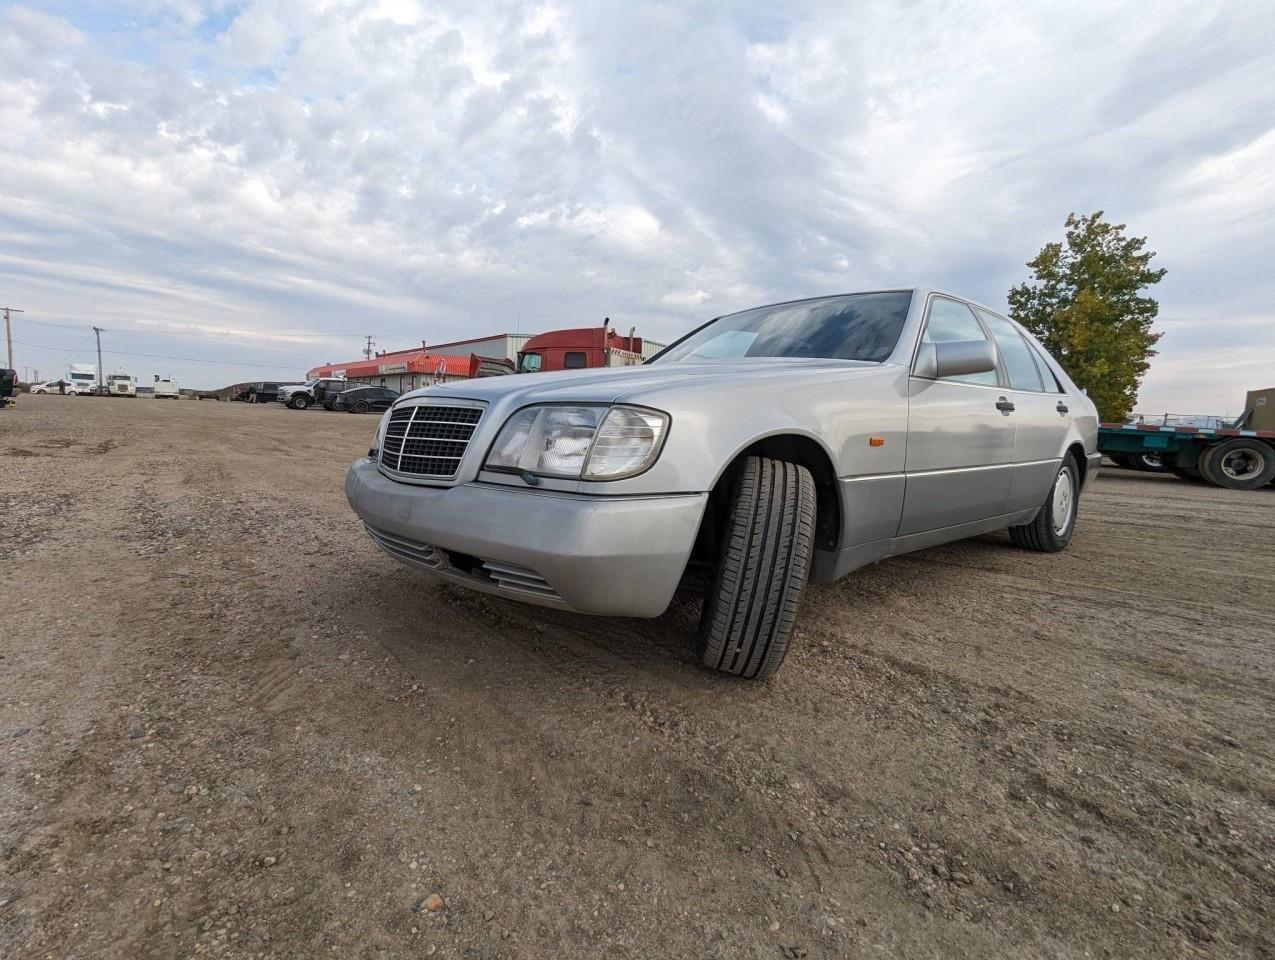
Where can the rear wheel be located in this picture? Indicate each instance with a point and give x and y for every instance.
(761, 571)
(1239, 464)
(361, 406)
(1054, 524)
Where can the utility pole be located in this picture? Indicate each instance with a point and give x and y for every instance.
(98, 332)
(8, 334)
(367, 351)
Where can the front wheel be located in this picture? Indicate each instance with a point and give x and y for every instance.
(761, 571)
(300, 403)
(1052, 529)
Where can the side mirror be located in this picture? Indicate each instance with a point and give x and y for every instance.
(955, 358)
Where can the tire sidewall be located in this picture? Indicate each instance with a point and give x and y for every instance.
(1211, 464)
(1060, 540)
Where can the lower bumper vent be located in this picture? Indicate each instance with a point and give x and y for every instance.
(504, 577)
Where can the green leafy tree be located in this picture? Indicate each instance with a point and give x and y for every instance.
(1087, 305)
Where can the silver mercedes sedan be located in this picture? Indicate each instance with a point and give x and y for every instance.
(787, 443)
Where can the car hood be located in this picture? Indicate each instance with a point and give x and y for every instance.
(640, 383)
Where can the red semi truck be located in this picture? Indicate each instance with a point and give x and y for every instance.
(584, 347)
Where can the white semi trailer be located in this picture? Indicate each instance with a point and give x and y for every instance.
(83, 377)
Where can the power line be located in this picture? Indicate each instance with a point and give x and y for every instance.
(160, 356)
(201, 333)
(66, 357)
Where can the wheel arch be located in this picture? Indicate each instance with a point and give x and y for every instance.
(806, 450)
(1077, 450)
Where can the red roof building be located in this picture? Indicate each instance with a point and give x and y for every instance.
(421, 366)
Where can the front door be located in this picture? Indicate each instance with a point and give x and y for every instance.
(960, 442)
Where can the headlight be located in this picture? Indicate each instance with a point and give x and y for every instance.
(587, 442)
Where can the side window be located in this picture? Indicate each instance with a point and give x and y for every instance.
(575, 360)
(950, 320)
(1017, 356)
(1051, 379)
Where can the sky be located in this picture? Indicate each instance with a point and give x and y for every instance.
(257, 185)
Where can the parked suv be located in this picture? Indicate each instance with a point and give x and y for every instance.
(790, 442)
(300, 396)
(364, 399)
(265, 392)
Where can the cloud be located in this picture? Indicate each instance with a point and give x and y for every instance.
(435, 170)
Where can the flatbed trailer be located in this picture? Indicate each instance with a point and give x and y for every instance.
(1223, 456)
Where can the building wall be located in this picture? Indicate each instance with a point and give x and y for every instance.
(501, 346)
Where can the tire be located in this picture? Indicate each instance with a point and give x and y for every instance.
(761, 571)
(299, 403)
(1054, 524)
(360, 406)
(1148, 463)
(1239, 464)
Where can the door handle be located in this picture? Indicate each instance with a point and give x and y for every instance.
(1005, 406)
(1061, 408)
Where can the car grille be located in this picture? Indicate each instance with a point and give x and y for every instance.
(425, 440)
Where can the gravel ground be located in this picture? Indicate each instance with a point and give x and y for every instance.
(230, 726)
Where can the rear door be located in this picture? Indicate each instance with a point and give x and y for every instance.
(1041, 415)
(960, 443)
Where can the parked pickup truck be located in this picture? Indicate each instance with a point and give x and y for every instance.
(301, 395)
(785, 443)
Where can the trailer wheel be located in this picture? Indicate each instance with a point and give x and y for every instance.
(761, 571)
(1239, 464)
(1149, 462)
(1054, 524)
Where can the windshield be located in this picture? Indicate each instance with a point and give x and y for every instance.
(860, 326)
(530, 363)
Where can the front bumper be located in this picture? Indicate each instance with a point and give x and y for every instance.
(614, 555)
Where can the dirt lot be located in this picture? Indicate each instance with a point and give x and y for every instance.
(228, 725)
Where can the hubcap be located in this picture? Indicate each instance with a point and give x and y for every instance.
(1242, 464)
(1064, 502)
